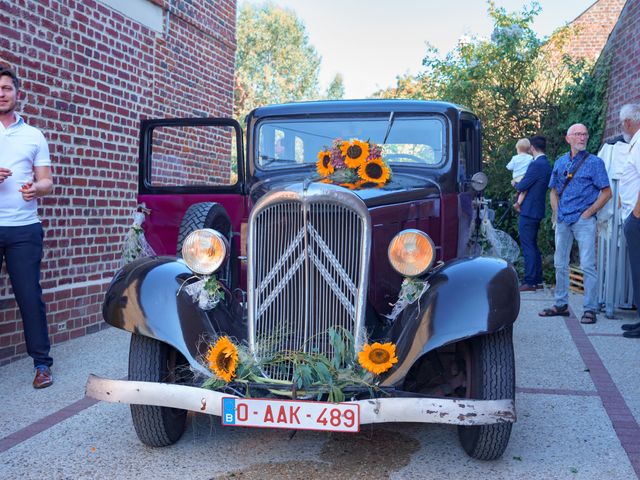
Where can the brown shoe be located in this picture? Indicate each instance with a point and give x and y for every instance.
(43, 377)
(527, 288)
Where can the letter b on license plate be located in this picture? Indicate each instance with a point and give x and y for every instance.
(295, 414)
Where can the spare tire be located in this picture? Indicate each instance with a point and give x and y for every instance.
(209, 215)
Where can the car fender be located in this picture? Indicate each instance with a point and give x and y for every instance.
(147, 297)
(465, 298)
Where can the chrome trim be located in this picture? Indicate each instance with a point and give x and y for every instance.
(303, 259)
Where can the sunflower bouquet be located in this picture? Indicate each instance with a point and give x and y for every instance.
(314, 374)
(353, 164)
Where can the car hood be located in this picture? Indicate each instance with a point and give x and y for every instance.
(402, 188)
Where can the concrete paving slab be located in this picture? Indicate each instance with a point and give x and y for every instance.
(546, 356)
(622, 364)
(104, 351)
(553, 439)
(580, 431)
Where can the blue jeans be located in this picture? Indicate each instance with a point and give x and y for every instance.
(528, 231)
(584, 231)
(632, 234)
(21, 247)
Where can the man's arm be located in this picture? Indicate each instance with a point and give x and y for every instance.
(553, 201)
(43, 184)
(603, 197)
(636, 209)
(528, 180)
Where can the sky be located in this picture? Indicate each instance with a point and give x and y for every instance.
(371, 42)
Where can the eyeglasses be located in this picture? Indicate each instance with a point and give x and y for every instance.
(580, 134)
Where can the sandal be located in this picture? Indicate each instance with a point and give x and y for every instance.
(588, 316)
(555, 311)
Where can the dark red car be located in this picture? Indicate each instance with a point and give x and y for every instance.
(301, 246)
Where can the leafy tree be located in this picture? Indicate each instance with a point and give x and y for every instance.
(335, 91)
(518, 86)
(274, 61)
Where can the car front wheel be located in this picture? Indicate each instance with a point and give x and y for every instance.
(490, 369)
(154, 361)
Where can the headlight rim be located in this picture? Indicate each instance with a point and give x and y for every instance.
(421, 233)
(220, 236)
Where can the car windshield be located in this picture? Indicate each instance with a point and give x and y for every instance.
(410, 140)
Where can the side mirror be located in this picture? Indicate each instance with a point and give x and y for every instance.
(479, 181)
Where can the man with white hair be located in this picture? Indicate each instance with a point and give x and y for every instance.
(579, 188)
(630, 202)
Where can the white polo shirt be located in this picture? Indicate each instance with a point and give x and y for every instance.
(22, 147)
(630, 177)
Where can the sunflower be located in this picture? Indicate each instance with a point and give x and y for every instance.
(378, 358)
(222, 359)
(323, 165)
(375, 170)
(355, 152)
(349, 185)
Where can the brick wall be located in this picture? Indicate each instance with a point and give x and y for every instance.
(623, 49)
(588, 33)
(91, 74)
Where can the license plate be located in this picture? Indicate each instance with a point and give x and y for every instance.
(290, 414)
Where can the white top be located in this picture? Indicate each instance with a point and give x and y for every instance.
(22, 147)
(519, 164)
(630, 177)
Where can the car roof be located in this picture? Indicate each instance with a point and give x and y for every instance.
(356, 106)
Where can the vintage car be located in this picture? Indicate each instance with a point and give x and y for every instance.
(344, 216)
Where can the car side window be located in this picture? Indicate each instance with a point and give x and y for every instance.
(201, 155)
(468, 146)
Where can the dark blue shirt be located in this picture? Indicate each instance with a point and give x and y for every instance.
(583, 190)
(535, 183)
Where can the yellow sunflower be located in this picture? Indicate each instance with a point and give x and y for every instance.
(355, 152)
(378, 358)
(222, 359)
(349, 185)
(323, 165)
(375, 170)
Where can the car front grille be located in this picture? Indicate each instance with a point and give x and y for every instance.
(308, 264)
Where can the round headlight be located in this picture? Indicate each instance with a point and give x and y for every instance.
(411, 253)
(204, 251)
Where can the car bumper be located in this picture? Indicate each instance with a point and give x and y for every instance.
(458, 411)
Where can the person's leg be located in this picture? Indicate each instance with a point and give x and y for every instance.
(23, 253)
(564, 241)
(537, 257)
(585, 234)
(527, 231)
(632, 234)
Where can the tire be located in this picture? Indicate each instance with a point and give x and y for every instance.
(154, 361)
(209, 215)
(490, 376)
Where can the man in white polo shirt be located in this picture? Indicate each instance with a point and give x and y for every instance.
(25, 175)
(630, 201)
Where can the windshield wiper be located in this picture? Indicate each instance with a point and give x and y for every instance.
(392, 117)
(266, 160)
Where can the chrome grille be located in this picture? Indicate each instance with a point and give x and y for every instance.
(309, 257)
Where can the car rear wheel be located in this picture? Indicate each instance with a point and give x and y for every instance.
(154, 361)
(490, 370)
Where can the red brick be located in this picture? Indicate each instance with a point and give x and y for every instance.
(91, 74)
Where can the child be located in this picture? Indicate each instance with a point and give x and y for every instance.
(519, 164)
